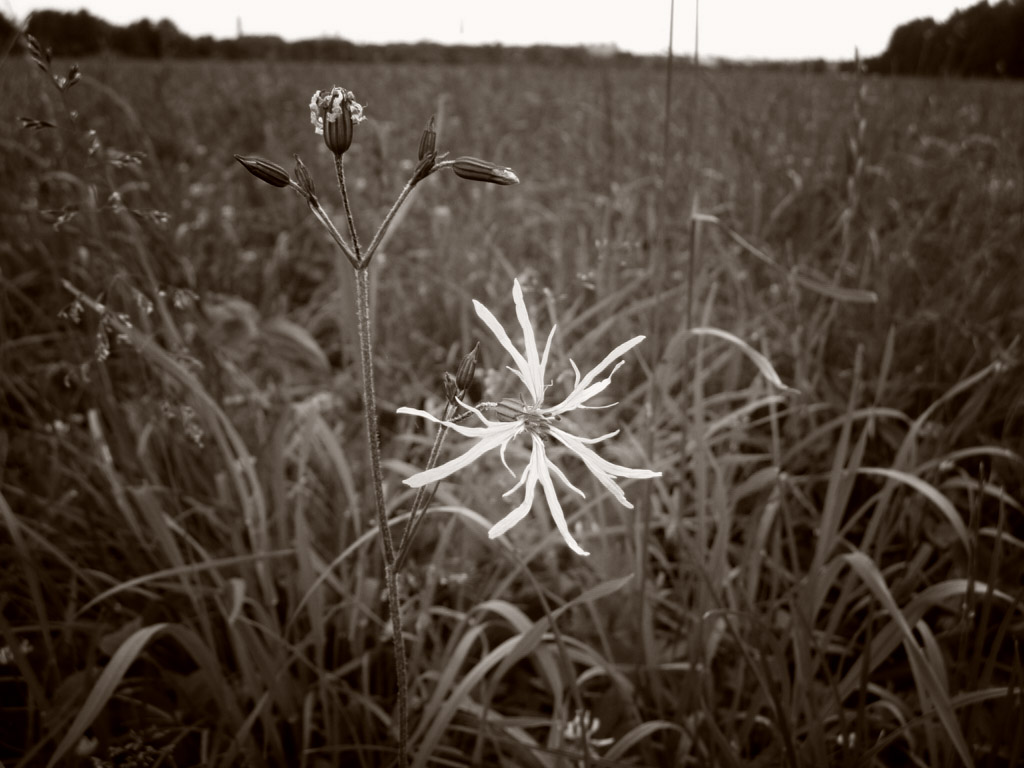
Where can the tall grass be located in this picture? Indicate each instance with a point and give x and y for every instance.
(831, 575)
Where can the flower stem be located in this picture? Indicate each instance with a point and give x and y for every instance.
(362, 274)
(339, 167)
(373, 438)
(419, 503)
(383, 228)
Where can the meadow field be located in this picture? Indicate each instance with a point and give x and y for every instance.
(828, 270)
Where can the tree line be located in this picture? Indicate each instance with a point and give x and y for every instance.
(981, 41)
(81, 34)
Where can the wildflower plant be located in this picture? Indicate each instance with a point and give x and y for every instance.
(334, 114)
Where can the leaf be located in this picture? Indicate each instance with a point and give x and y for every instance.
(762, 363)
(925, 675)
(105, 686)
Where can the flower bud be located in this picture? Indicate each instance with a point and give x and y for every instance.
(475, 169)
(304, 179)
(451, 390)
(334, 115)
(428, 141)
(464, 376)
(264, 170)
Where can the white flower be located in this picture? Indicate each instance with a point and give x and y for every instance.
(536, 419)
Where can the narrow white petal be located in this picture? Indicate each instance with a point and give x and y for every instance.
(556, 509)
(476, 412)
(577, 446)
(561, 476)
(604, 471)
(595, 440)
(547, 350)
(535, 374)
(493, 427)
(529, 479)
(450, 467)
(523, 479)
(499, 333)
(610, 358)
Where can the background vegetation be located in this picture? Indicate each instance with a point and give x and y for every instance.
(826, 577)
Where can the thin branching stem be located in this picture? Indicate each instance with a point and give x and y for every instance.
(339, 167)
(386, 223)
(321, 216)
(421, 501)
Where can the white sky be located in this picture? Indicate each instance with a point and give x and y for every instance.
(771, 29)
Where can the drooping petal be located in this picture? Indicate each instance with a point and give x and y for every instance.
(561, 476)
(496, 437)
(499, 333)
(605, 471)
(529, 480)
(554, 507)
(535, 375)
(527, 473)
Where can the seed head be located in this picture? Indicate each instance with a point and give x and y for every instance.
(264, 170)
(334, 114)
(475, 169)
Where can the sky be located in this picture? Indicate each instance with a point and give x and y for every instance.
(756, 29)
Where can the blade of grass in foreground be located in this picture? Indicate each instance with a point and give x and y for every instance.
(924, 673)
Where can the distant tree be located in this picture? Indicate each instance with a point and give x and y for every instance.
(71, 34)
(980, 41)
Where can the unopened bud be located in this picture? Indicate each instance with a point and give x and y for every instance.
(451, 389)
(475, 169)
(428, 141)
(464, 376)
(264, 170)
(334, 114)
(303, 177)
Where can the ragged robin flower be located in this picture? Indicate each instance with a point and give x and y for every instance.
(530, 416)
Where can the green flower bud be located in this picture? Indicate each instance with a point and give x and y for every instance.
(475, 169)
(264, 170)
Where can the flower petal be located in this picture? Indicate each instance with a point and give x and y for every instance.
(485, 444)
(554, 507)
(605, 471)
(491, 427)
(561, 476)
(610, 358)
(499, 333)
(529, 479)
(535, 375)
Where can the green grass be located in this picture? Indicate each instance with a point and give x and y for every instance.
(830, 576)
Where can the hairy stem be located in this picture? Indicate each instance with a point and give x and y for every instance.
(373, 437)
(339, 167)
